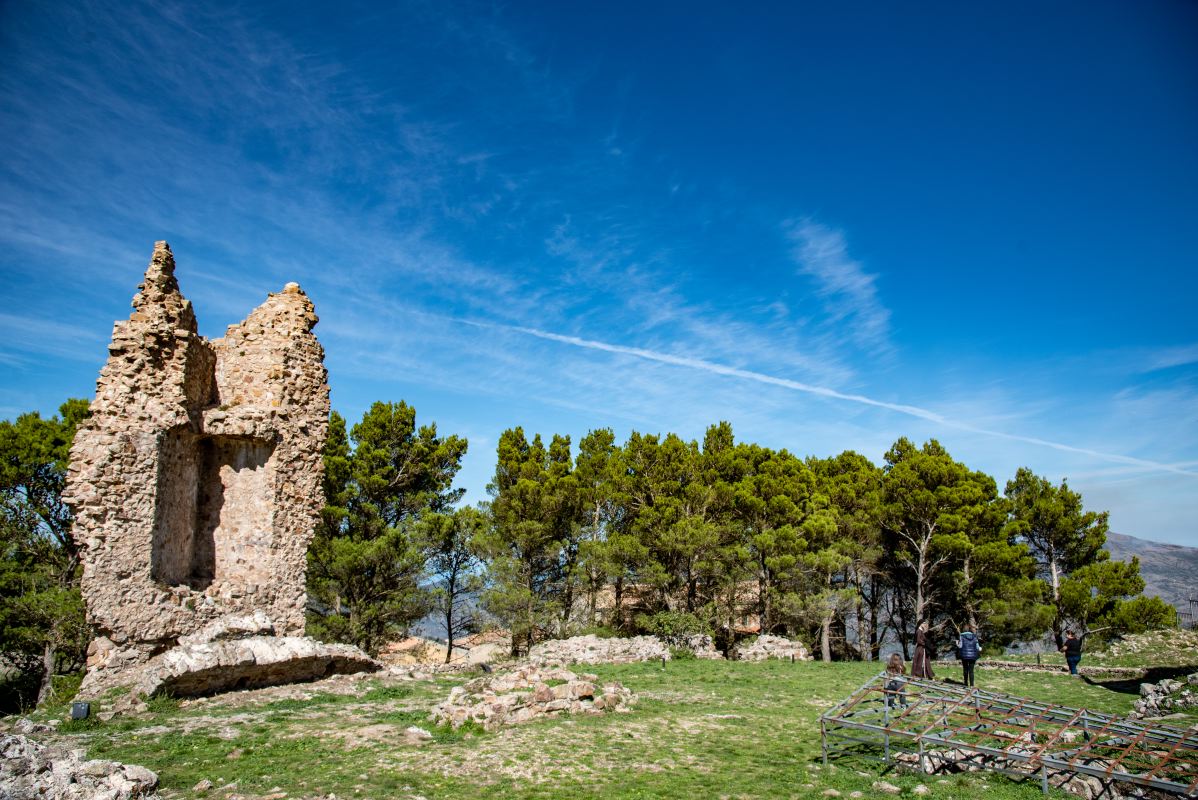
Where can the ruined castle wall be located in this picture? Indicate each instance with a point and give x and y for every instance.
(196, 482)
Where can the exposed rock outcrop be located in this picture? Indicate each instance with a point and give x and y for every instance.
(208, 667)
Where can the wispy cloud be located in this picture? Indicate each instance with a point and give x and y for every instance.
(1169, 357)
(48, 337)
(821, 391)
(849, 291)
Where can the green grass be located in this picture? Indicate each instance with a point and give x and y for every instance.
(700, 729)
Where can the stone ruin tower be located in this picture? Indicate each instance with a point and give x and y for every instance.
(196, 486)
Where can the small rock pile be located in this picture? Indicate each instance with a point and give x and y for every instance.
(955, 760)
(767, 646)
(30, 770)
(528, 692)
(1166, 697)
(591, 649)
(701, 645)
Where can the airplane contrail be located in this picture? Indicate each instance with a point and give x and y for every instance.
(822, 391)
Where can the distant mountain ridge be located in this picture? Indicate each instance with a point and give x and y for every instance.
(1169, 570)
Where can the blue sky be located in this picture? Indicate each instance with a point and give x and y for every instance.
(832, 224)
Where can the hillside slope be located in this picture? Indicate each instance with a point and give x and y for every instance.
(1169, 570)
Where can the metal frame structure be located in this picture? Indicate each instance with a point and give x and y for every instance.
(932, 726)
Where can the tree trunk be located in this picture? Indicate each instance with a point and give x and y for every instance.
(767, 611)
(1058, 633)
(875, 600)
(902, 628)
(920, 577)
(691, 590)
(970, 611)
(46, 689)
(617, 619)
(825, 643)
(863, 639)
(762, 593)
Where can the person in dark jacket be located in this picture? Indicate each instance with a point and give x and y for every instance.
(896, 681)
(1072, 650)
(921, 665)
(969, 647)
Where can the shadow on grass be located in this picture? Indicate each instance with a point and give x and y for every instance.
(1151, 675)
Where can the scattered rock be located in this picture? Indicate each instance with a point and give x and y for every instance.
(592, 649)
(1165, 697)
(886, 787)
(27, 726)
(203, 786)
(522, 694)
(33, 771)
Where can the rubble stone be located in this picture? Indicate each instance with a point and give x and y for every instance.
(30, 770)
(767, 646)
(1165, 697)
(592, 649)
(520, 695)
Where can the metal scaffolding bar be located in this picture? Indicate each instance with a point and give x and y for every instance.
(939, 726)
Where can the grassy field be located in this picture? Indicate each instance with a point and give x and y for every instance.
(700, 729)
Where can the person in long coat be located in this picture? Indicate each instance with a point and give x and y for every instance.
(921, 665)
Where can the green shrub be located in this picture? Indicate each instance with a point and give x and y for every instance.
(673, 627)
(682, 654)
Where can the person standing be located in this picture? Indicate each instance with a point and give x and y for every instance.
(1072, 650)
(921, 665)
(969, 648)
(896, 682)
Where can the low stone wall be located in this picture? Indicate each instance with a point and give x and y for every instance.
(529, 692)
(767, 646)
(29, 771)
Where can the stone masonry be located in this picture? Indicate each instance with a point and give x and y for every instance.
(196, 482)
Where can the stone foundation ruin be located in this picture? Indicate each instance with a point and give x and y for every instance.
(196, 487)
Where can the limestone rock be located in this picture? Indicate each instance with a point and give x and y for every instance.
(767, 646)
(247, 663)
(1165, 697)
(594, 650)
(530, 691)
(31, 770)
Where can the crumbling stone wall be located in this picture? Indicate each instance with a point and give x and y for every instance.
(196, 482)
